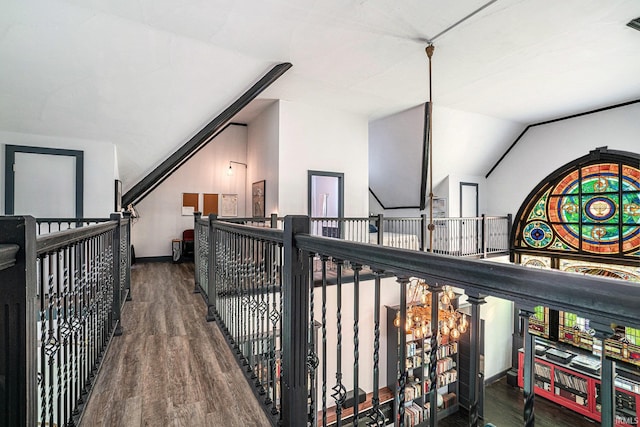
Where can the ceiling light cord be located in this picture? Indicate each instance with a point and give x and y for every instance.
(430, 49)
(451, 27)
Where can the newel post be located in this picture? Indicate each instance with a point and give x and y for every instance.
(424, 223)
(528, 369)
(295, 323)
(117, 278)
(127, 251)
(379, 224)
(212, 291)
(18, 370)
(485, 237)
(196, 251)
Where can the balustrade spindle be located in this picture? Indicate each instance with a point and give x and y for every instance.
(402, 350)
(339, 391)
(324, 260)
(433, 357)
(356, 340)
(375, 415)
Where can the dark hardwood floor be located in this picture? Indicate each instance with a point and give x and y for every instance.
(504, 407)
(170, 367)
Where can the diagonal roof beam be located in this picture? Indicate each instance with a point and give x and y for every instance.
(155, 177)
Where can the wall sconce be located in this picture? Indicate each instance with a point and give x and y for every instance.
(230, 170)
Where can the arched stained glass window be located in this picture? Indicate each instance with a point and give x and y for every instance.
(585, 218)
(589, 207)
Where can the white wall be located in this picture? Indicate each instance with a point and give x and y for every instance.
(321, 139)
(464, 145)
(99, 168)
(389, 295)
(395, 156)
(545, 148)
(262, 155)
(161, 220)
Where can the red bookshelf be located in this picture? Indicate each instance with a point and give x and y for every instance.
(579, 391)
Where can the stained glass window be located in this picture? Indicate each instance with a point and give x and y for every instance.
(585, 208)
(588, 209)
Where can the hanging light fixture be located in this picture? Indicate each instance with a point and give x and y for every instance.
(230, 170)
(451, 323)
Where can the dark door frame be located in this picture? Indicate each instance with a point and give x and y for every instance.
(9, 174)
(340, 177)
(470, 184)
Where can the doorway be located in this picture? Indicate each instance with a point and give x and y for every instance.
(326, 200)
(43, 182)
(469, 229)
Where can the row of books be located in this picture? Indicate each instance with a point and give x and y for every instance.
(414, 362)
(627, 384)
(445, 364)
(443, 379)
(447, 350)
(570, 381)
(413, 414)
(412, 391)
(412, 349)
(543, 371)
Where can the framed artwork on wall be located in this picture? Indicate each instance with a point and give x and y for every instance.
(257, 199)
(117, 206)
(229, 205)
(189, 203)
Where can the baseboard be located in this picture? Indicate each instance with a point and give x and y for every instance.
(154, 259)
(492, 379)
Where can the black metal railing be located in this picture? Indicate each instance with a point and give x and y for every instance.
(266, 296)
(61, 298)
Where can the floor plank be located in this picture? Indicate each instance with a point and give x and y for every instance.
(170, 367)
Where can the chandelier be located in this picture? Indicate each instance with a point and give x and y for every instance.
(451, 323)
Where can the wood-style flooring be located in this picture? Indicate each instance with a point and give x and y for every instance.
(170, 367)
(504, 407)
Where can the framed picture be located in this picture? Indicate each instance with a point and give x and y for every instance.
(117, 206)
(257, 199)
(229, 205)
(439, 207)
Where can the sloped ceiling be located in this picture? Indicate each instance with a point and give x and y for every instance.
(148, 74)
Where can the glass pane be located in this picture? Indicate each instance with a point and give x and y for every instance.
(600, 178)
(564, 209)
(631, 178)
(535, 261)
(600, 209)
(568, 184)
(631, 208)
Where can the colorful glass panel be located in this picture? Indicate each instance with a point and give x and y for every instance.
(600, 178)
(535, 261)
(600, 209)
(539, 210)
(538, 234)
(631, 180)
(631, 208)
(592, 209)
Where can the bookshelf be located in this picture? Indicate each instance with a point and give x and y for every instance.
(418, 385)
(579, 389)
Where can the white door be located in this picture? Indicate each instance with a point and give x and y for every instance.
(45, 185)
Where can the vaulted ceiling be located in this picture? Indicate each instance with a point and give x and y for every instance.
(148, 74)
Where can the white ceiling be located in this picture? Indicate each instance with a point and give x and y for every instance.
(148, 74)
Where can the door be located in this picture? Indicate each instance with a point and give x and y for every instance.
(43, 182)
(469, 228)
(326, 200)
